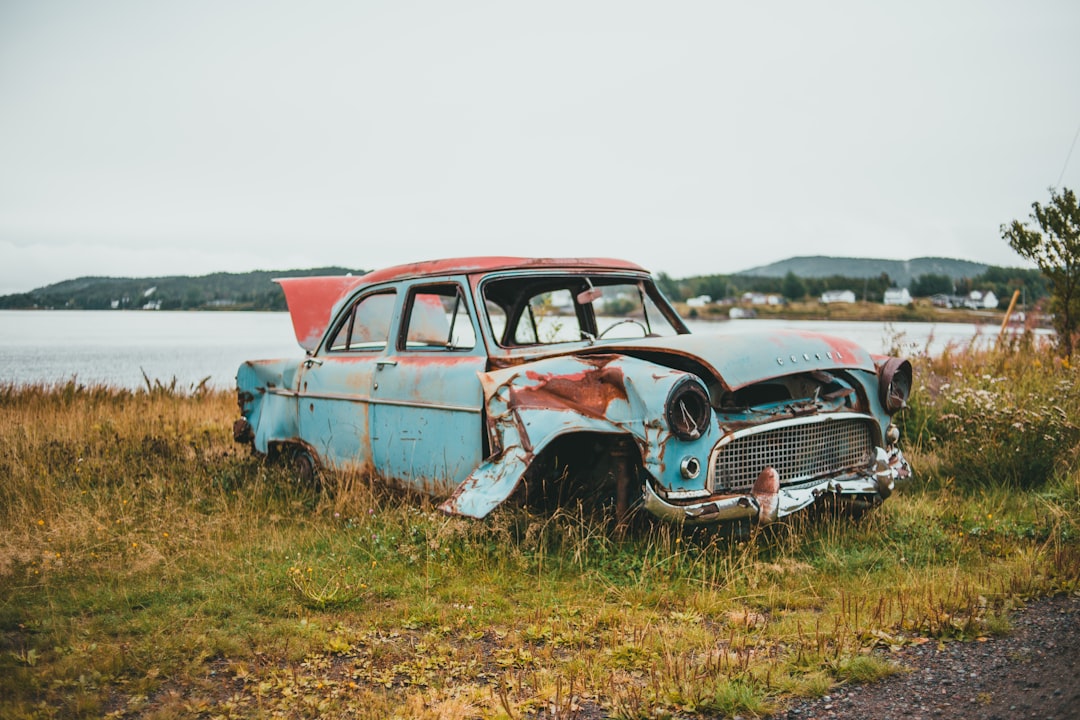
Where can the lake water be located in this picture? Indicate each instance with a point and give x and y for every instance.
(118, 347)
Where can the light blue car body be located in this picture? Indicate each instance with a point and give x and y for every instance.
(693, 428)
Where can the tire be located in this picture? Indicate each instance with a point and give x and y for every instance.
(305, 469)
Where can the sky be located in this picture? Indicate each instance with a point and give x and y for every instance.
(146, 137)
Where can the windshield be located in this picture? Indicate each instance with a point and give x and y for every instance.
(549, 309)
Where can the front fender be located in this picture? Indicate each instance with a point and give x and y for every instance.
(528, 407)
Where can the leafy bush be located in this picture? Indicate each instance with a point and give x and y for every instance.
(1004, 416)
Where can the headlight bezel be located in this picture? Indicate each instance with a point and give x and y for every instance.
(894, 384)
(687, 410)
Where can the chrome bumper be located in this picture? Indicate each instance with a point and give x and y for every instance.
(767, 501)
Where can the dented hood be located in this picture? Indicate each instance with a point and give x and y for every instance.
(311, 302)
(744, 359)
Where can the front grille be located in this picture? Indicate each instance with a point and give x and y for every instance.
(797, 451)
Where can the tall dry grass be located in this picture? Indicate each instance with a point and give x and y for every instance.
(149, 567)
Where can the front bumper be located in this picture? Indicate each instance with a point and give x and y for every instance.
(767, 501)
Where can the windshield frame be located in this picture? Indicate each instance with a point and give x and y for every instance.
(514, 304)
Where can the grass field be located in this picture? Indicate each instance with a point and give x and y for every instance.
(151, 568)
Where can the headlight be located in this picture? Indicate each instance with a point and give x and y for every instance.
(687, 411)
(895, 384)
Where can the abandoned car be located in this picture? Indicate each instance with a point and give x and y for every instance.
(477, 379)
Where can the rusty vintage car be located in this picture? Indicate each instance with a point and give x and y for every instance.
(478, 379)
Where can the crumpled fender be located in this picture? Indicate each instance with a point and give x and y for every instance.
(530, 406)
(267, 401)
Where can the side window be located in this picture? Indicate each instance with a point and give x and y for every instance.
(550, 318)
(439, 320)
(497, 318)
(367, 327)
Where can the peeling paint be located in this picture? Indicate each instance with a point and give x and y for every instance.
(469, 420)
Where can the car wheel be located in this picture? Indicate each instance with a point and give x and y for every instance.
(304, 468)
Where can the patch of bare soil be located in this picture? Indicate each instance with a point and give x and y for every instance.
(1033, 672)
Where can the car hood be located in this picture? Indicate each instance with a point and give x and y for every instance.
(746, 358)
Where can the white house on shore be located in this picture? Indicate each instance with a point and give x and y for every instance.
(699, 302)
(757, 298)
(977, 300)
(897, 296)
(837, 296)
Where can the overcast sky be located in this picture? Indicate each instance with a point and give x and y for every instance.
(156, 138)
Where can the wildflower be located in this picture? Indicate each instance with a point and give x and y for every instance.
(40, 522)
(164, 534)
(374, 563)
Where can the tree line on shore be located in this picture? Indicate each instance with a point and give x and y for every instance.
(256, 291)
(793, 287)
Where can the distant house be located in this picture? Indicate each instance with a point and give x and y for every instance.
(563, 300)
(837, 296)
(699, 302)
(897, 296)
(977, 300)
(756, 298)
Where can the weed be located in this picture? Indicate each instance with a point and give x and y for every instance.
(149, 567)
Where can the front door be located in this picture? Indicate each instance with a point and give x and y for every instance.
(426, 422)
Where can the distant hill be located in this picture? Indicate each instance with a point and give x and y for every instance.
(218, 291)
(255, 291)
(902, 272)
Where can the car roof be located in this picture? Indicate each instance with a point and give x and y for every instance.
(311, 300)
(472, 265)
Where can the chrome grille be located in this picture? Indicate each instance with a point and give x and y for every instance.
(797, 451)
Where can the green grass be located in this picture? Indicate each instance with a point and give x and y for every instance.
(151, 568)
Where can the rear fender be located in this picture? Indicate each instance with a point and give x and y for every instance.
(267, 398)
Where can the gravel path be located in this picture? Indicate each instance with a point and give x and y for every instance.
(1033, 672)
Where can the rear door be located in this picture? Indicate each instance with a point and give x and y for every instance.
(335, 385)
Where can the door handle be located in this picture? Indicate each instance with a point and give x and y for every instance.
(312, 361)
(382, 363)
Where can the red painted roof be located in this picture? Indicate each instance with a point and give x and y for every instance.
(470, 265)
(311, 299)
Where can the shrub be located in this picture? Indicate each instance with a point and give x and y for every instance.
(1004, 416)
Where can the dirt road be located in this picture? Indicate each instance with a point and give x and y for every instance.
(1033, 672)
